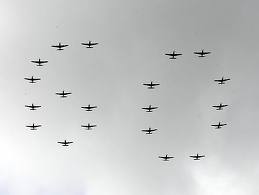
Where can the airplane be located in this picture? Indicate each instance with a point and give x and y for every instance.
(149, 109)
(202, 53)
(197, 157)
(221, 81)
(88, 126)
(89, 44)
(32, 79)
(39, 62)
(151, 85)
(219, 125)
(65, 143)
(220, 106)
(166, 157)
(173, 55)
(32, 106)
(149, 130)
(33, 126)
(63, 94)
(89, 108)
(59, 46)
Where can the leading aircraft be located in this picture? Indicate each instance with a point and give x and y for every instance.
(173, 55)
(59, 46)
(89, 108)
(32, 106)
(202, 53)
(63, 94)
(33, 126)
(89, 44)
(39, 62)
(220, 106)
(65, 143)
(88, 126)
(197, 157)
(149, 109)
(149, 130)
(166, 157)
(32, 79)
(219, 125)
(151, 85)
(221, 81)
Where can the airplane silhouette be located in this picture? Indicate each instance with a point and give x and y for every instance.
(59, 46)
(32, 79)
(89, 108)
(166, 157)
(149, 130)
(63, 94)
(39, 62)
(33, 126)
(202, 53)
(173, 55)
(149, 109)
(65, 143)
(88, 126)
(151, 85)
(32, 106)
(89, 44)
(221, 81)
(219, 125)
(220, 106)
(197, 157)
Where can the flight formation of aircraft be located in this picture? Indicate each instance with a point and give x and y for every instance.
(62, 94)
(150, 108)
(201, 53)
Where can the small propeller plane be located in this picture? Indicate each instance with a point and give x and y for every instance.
(149, 130)
(89, 108)
(197, 157)
(202, 53)
(221, 81)
(32, 79)
(88, 126)
(166, 157)
(39, 62)
(219, 125)
(151, 85)
(220, 106)
(33, 126)
(173, 55)
(65, 143)
(59, 46)
(89, 44)
(63, 94)
(32, 107)
(149, 109)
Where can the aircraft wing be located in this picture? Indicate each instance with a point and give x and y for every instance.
(57, 46)
(169, 54)
(63, 45)
(199, 53)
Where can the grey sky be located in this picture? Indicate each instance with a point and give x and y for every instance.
(117, 158)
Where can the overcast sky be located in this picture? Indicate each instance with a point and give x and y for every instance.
(117, 158)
